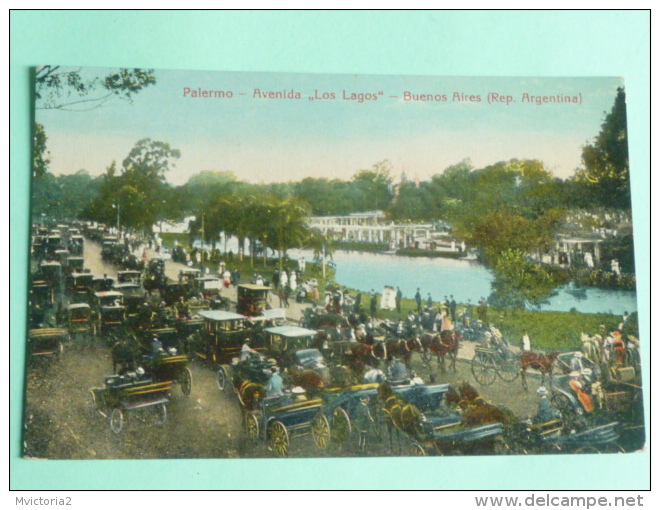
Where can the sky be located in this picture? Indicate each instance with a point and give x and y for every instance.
(364, 119)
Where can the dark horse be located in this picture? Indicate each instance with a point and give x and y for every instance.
(542, 362)
(399, 348)
(477, 411)
(442, 345)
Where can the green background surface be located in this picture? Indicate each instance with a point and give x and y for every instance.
(498, 43)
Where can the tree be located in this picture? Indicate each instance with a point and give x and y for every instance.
(58, 88)
(40, 157)
(520, 282)
(137, 196)
(606, 164)
(375, 186)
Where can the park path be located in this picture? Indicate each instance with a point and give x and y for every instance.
(295, 310)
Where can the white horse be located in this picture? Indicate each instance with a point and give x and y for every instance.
(591, 346)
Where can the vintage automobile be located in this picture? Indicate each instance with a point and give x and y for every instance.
(53, 243)
(75, 264)
(207, 286)
(76, 245)
(51, 272)
(188, 275)
(168, 337)
(129, 284)
(62, 256)
(223, 335)
(47, 342)
(109, 312)
(171, 292)
(79, 287)
(42, 293)
(129, 277)
(108, 249)
(133, 391)
(79, 319)
(102, 283)
(283, 339)
(252, 299)
(169, 366)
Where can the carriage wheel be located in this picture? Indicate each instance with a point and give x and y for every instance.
(161, 414)
(509, 370)
(483, 369)
(320, 430)
(251, 426)
(186, 381)
(564, 405)
(250, 394)
(92, 405)
(391, 402)
(417, 450)
(395, 413)
(117, 420)
(222, 378)
(278, 439)
(341, 426)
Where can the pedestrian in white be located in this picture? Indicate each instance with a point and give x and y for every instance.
(284, 278)
(293, 284)
(526, 344)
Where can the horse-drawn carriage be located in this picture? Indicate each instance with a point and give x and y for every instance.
(421, 418)
(598, 402)
(488, 364)
(279, 419)
(550, 437)
(327, 416)
(129, 392)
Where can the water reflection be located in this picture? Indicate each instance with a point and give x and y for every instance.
(464, 279)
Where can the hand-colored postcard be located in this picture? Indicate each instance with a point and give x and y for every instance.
(241, 265)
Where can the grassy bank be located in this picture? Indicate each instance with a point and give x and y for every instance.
(547, 330)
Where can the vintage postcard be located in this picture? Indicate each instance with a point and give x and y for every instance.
(248, 265)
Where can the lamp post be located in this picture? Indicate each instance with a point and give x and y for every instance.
(117, 206)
